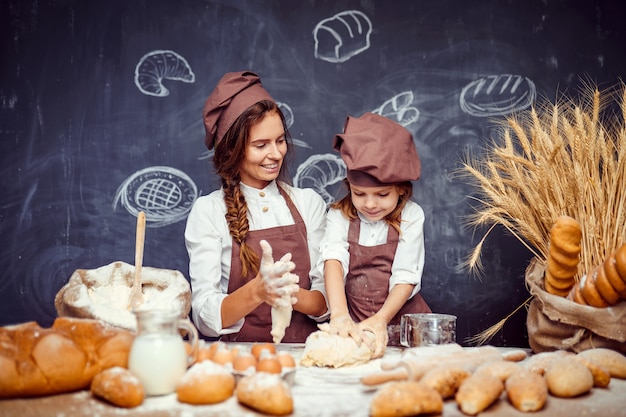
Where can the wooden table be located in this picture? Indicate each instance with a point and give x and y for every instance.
(317, 392)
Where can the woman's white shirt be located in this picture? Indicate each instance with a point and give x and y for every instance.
(408, 264)
(209, 245)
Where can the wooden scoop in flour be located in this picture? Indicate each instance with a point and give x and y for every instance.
(135, 300)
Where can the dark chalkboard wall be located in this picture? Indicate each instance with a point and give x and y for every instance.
(100, 116)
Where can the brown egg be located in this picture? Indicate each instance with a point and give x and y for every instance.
(286, 360)
(257, 348)
(269, 364)
(244, 361)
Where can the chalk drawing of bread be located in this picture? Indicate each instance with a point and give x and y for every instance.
(342, 36)
(164, 193)
(399, 108)
(497, 95)
(319, 172)
(156, 66)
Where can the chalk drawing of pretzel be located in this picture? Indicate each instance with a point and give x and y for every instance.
(158, 65)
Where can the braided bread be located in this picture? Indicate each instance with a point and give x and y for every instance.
(562, 263)
(605, 285)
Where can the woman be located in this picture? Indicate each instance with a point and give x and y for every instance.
(233, 233)
(373, 249)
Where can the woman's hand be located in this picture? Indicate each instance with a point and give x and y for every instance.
(278, 284)
(377, 326)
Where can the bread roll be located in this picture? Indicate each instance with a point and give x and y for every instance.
(118, 386)
(609, 359)
(566, 377)
(264, 392)
(205, 382)
(526, 390)
(445, 379)
(478, 392)
(405, 398)
(500, 369)
(37, 361)
(562, 262)
(601, 375)
(539, 362)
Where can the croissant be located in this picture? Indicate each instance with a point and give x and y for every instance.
(562, 263)
(605, 285)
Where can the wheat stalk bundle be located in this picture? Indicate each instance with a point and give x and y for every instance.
(554, 159)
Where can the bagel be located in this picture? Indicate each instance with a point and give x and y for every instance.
(604, 286)
(590, 292)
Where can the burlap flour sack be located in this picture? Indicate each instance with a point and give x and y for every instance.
(555, 323)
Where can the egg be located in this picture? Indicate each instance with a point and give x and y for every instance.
(258, 348)
(244, 361)
(269, 364)
(286, 360)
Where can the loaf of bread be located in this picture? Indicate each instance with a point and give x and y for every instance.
(265, 392)
(119, 387)
(36, 361)
(563, 256)
(605, 284)
(405, 398)
(526, 390)
(500, 369)
(205, 382)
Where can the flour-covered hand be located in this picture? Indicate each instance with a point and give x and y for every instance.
(377, 328)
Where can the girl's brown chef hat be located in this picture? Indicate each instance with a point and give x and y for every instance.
(377, 151)
(234, 93)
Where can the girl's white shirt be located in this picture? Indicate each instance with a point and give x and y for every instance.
(408, 264)
(209, 245)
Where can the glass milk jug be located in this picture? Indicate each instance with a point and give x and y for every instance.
(158, 357)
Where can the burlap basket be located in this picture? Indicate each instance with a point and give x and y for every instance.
(556, 323)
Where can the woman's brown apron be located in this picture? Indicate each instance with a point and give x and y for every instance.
(283, 239)
(367, 281)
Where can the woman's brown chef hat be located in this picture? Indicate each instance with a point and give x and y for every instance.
(377, 151)
(234, 93)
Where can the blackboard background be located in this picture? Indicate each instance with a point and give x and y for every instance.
(74, 126)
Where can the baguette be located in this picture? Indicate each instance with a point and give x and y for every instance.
(36, 361)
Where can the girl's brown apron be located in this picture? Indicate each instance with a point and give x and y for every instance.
(283, 239)
(367, 281)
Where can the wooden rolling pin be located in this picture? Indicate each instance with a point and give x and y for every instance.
(414, 367)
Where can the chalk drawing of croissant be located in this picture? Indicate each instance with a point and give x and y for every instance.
(319, 172)
(399, 109)
(342, 36)
(156, 66)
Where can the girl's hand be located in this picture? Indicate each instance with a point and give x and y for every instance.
(377, 327)
(344, 326)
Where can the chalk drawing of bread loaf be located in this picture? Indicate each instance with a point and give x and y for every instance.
(156, 66)
(342, 36)
(497, 95)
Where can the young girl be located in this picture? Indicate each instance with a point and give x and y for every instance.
(234, 233)
(373, 248)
